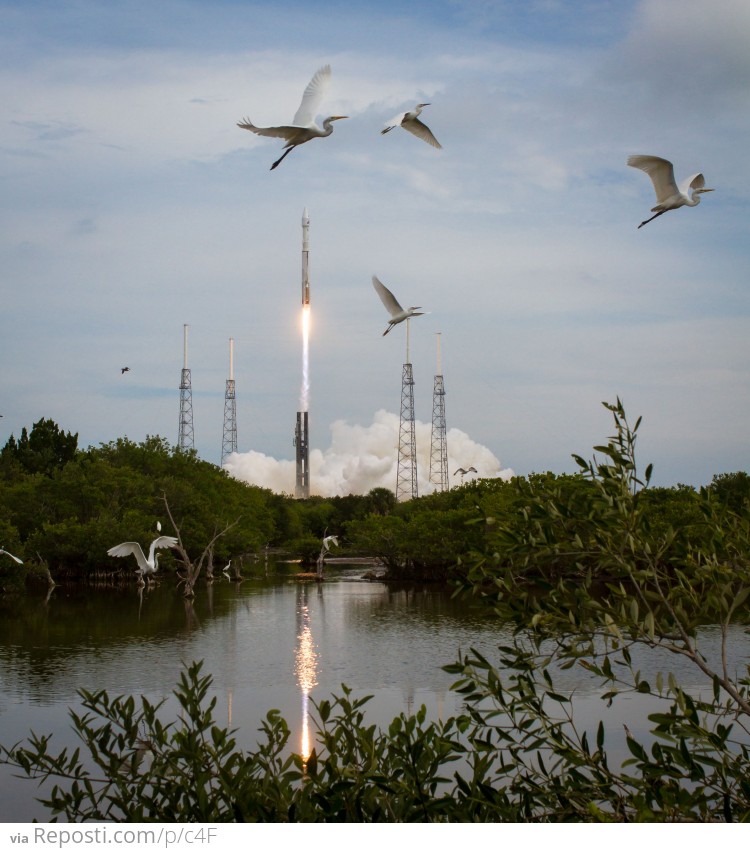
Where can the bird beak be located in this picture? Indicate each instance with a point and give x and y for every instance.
(337, 117)
(706, 190)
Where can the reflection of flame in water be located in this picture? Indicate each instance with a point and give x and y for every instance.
(305, 667)
(305, 391)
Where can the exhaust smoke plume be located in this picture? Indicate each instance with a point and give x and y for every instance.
(362, 458)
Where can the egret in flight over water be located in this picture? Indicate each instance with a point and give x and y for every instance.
(668, 194)
(410, 121)
(398, 313)
(303, 126)
(146, 565)
(329, 541)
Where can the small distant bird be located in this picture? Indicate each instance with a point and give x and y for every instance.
(12, 556)
(463, 471)
(668, 194)
(124, 369)
(398, 313)
(410, 121)
(146, 565)
(303, 126)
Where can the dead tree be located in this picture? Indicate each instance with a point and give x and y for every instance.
(193, 569)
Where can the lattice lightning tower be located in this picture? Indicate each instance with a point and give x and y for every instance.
(438, 443)
(229, 438)
(406, 469)
(185, 438)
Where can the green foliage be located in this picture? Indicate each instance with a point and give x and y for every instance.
(71, 515)
(587, 566)
(43, 450)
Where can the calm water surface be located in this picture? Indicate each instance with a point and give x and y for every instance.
(267, 644)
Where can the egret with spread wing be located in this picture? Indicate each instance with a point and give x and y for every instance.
(146, 565)
(668, 194)
(410, 121)
(303, 126)
(329, 541)
(398, 313)
(12, 556)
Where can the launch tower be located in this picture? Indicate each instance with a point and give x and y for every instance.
(406, 469)
(438, 443)
(229, 438)
(185, 438)
(301, 435)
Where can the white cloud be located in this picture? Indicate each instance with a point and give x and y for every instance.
(361, 458)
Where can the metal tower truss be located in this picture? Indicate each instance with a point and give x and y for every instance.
(406, 471)
(229, 439)
(185, 439)
(438, 443)
(302, 445)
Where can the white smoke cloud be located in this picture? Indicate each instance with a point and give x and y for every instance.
(361, 458)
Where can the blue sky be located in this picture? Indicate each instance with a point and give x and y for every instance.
(132, 204)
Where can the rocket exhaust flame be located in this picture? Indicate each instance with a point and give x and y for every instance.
(302, 434)
(305, 389)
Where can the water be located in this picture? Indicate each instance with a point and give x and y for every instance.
(267, 644)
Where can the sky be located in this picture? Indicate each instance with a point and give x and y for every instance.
(132, 204)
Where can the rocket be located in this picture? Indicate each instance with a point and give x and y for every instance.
(305, 256)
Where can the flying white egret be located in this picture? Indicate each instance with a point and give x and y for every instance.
(12, 556)
(328, 542)
(398, 313)
(668, 194)
(146, 565)
(410, 121)
(463, 472)
(303, 126)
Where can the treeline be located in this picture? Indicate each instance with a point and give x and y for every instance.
(61, 508)
(593, 570)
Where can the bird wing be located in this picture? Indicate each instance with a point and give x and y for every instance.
(661, 172)
(12, 556)
(126, 548)
(275, 132)
(421, 131)
(162, 542)
(386, 296)
(312, 97)
(396, 121)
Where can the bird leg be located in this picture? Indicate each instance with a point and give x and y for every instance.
(652, 218)
(285, 153)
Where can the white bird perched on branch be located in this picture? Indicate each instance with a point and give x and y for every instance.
(303, 126)
(668, 194)
(12, 556)
(410, 121)
(146, 565)
(398, 313)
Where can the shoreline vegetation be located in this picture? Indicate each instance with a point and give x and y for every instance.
(586, 567)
